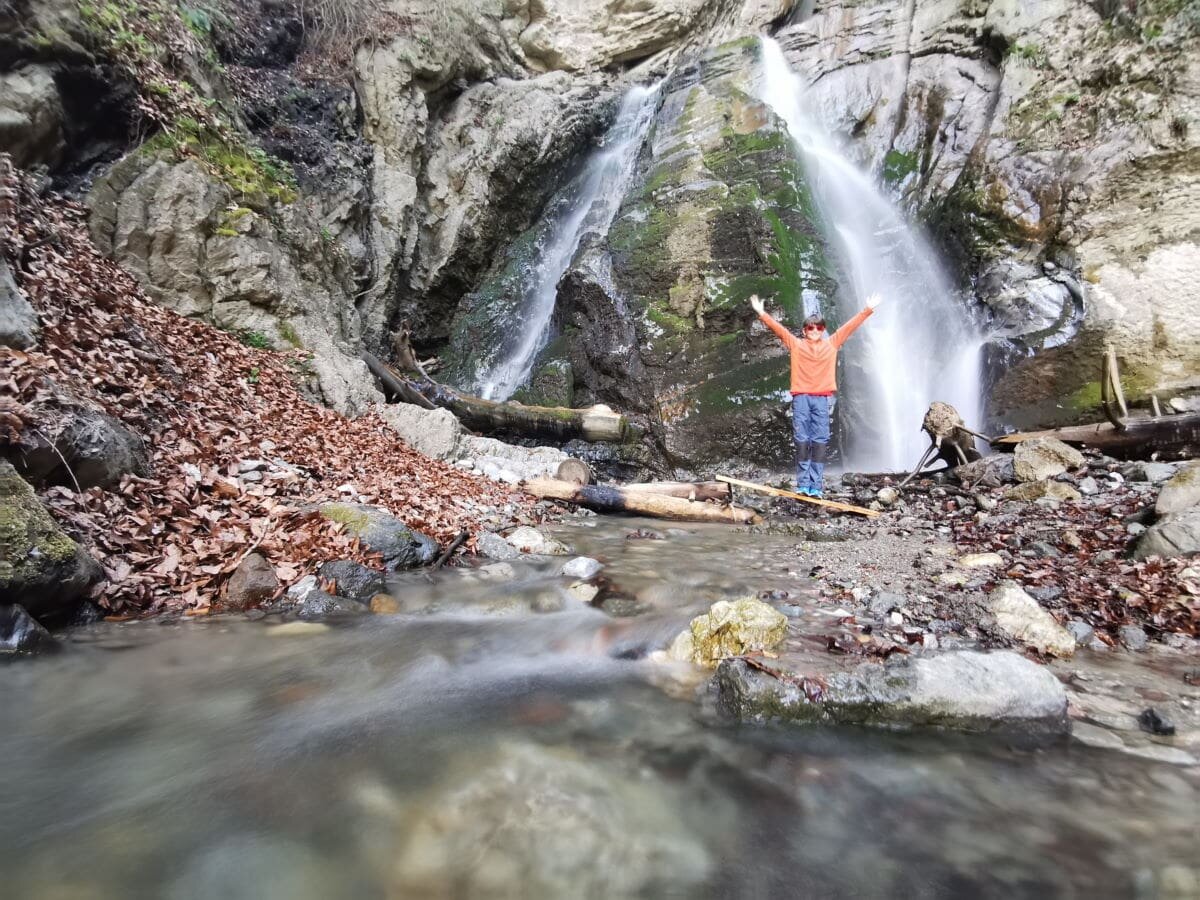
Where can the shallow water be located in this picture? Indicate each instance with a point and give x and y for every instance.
(476, 748)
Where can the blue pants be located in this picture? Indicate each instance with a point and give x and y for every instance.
(810, 427)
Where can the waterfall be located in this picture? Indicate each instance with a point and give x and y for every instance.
(921, 344)
(593, 201)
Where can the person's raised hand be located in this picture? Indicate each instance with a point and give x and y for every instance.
(874, 300)
(756, 304)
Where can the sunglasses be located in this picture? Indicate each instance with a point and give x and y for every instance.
(814, 327)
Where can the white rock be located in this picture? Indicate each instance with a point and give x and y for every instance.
(980, 560)
(1019, 616)
(582, 567)
(530, 540)
(1041, 458)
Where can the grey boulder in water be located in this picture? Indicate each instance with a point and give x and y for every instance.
(965, 690)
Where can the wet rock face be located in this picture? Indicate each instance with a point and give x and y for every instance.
(964, 690)
(719, 210)
(40, 567)
(1023, 135)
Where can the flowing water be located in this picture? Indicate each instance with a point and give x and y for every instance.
(588, 207)
(498, 740)
(920, 345)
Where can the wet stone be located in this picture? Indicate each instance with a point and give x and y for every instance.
(354, 580)
(1134, 637)
(1152, 721)
(21, 635)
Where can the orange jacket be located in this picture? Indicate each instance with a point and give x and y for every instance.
(814, 363)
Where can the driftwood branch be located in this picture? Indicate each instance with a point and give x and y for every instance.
(595, 423)
(606, 498)
(1175, 436)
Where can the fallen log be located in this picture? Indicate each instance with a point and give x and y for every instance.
(595, 423)
(606, 498)
(688, 490)
(1172, 436)
(791, 495)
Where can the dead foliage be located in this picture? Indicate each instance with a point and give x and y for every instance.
(202, 402)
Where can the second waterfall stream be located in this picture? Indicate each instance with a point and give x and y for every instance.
(589, 205)
(921, 344)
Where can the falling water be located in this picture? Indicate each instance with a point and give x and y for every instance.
(920, 345)
(596, 196)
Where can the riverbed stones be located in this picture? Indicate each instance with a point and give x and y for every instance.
(965, 690)
(530, 821)
(20, 635)
(1134, 637)
(400, 546)
(1152, 472)
(530, 540)
(354, 580)
(1021, 617)
(1041, 458)
(40, 567)
(321, 605)
(730, 628)
(252, 583)
(1181, 492)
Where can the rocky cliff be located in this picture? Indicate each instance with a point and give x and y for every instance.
(264, 167)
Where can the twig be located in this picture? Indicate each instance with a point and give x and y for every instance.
(66, 464)
(454, 545)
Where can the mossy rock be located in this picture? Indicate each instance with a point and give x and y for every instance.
(41, 568)
(400, 546)
(730, 629)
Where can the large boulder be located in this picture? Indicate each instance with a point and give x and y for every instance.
(1176, 535)
(19, 326)
(1020, 617)
(400, 546)
(80, 445)
(964, 690)
(730, 628)
(1182, 492)
(40, 567)
(1042, 458)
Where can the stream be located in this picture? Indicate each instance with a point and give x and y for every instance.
(498, 738)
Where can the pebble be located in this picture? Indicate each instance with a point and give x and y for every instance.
(1088, 486)
(1135, 528)
(1081, 631)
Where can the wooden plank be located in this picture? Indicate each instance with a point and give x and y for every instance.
(607, 498)
(779, 492)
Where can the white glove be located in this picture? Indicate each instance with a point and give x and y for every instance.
(873, 301)
(756, 304)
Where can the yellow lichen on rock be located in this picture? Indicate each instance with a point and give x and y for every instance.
(728, 629)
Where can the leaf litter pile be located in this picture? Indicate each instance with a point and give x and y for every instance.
(202, 404)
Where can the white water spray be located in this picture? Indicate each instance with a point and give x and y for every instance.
(920, 345)
(597, 198)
